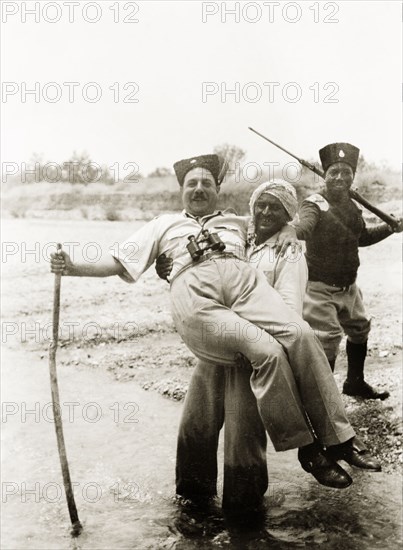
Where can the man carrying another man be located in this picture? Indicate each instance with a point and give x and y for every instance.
(222, 306)
(221, 394)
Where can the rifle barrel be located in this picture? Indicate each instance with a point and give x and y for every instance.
(274, 143)
(390, 220)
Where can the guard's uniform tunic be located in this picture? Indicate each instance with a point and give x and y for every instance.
(218, 393)
(222, 306)
(333, 302)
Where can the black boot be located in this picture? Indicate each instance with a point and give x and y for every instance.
(355, 384)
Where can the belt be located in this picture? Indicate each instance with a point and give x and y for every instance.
(316, 279)
(207, 256)
(342, 288)
(215, 254)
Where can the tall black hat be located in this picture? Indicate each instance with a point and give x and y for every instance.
(339, 152)
(215, 164)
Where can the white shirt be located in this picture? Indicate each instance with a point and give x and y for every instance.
(169, 234)
(288, 274)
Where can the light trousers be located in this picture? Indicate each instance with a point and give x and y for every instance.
(330, 311)
(224, 306)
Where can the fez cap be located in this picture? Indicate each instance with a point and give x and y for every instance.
(215, 164)
(339, 152)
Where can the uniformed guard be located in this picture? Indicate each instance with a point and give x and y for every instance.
(332, 225)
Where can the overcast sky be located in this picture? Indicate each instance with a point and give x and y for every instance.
(170, 52)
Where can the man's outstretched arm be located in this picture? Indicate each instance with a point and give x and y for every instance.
(60, 262)
(291, 233)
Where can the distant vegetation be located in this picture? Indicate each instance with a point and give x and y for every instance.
(78, 169)
(81, 189)
(160, 172)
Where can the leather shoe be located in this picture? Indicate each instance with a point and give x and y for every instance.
(353, 455)
(325, 470)
(364, 390)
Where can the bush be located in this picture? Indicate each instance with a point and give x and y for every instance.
(160, 172)
(232, 154)
(112, 214)
(18, 211)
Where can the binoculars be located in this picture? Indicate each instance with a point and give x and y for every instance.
(211, 240)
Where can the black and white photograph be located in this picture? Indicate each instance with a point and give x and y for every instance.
(201, 322)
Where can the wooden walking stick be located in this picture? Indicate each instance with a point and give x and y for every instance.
(77, 527)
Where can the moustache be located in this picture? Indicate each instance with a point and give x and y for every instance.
(198, 196)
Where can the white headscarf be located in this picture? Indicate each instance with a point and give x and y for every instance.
(282, 190)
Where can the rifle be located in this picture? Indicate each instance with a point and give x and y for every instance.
(390, 220)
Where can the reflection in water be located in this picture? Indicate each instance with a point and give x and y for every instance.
(296, 515)
(208, 527)
(311, 517)
(303, 515)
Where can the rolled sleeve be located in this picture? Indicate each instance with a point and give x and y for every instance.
(139, 251)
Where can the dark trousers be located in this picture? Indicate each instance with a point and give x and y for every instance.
(217, 393)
